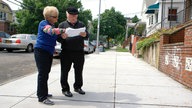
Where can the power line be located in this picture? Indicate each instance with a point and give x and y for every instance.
(13, 3)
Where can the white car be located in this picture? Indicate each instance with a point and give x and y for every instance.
(19, 41)
(57, 49)
(88, 47)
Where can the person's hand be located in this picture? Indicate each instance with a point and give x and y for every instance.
(83, 34)
(64, 35)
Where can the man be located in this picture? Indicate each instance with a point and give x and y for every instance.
(72, 52)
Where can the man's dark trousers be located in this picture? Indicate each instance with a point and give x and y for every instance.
(67, 58)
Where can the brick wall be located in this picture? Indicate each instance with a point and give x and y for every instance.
(134, 45)
(176, 56)
(4, 27)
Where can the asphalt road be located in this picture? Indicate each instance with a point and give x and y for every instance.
(17, 64)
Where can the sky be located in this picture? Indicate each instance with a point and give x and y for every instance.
(128, 8)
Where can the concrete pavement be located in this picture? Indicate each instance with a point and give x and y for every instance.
(111, 80)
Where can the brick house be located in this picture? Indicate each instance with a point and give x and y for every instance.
(6, 18)
(175, 49)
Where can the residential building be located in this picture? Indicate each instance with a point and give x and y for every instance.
(162, 14)
(6, 18)
(188, 10)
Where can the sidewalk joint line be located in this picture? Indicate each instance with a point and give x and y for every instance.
(115, 81)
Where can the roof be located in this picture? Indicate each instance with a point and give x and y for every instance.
(2, 2)
(151, 9)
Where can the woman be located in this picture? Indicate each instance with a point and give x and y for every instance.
(44, 49)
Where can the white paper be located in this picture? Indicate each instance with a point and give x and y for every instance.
(74, 32)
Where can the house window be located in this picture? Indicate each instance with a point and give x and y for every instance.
(3, 16)
(152, 19)
(149, 21)
(172, 15)
(156, 17)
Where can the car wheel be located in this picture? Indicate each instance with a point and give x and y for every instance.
(29, 48)
(9, 50)
(1, 49)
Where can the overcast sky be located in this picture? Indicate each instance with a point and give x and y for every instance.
(127, 7)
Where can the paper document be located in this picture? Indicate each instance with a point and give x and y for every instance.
(74, 32)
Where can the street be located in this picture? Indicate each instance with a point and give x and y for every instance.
(17, 64)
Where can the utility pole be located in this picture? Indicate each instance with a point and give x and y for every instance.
(98, 27)
(170, 25)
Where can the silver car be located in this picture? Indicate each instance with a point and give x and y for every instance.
(3, 35)
(88, 47)
(57, 49)
(19, 41)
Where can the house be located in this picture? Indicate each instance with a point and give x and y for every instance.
(6, 18)
(162, 14)
(188, 10)
(171, 53)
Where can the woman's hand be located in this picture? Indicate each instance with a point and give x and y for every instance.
(64, 35)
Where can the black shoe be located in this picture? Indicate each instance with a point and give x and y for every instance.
(67, 93)
(47, 102)
(49, 95)
(80, 91)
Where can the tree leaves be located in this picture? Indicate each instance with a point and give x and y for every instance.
(32, 13)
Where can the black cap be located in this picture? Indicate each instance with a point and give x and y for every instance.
(72, 10)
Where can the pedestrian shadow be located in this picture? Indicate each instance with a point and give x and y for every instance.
(98, 100)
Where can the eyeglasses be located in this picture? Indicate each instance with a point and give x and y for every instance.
(54, 16)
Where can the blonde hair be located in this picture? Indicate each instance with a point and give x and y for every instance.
(48, 10)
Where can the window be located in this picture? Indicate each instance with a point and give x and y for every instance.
(156, 17)
(33, 37)
(3, 16)
(172, 15)
(152, 19)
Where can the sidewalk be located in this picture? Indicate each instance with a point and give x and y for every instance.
(111, 80)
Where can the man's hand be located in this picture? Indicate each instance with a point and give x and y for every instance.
(83, 34)
(64, 35)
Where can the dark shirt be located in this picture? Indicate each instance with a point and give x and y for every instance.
(72, 43)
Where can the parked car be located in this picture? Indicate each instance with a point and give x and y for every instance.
(20, 41)
(88, 47)
(3, 35)
(57, 49)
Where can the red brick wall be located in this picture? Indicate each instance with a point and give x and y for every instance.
(136, 38)
(177, 37)
(4, 27)
(172, 60)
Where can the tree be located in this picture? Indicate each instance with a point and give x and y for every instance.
(135, 19)
(31, 13)
(112, 24)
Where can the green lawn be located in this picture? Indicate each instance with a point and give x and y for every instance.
(120, 49)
